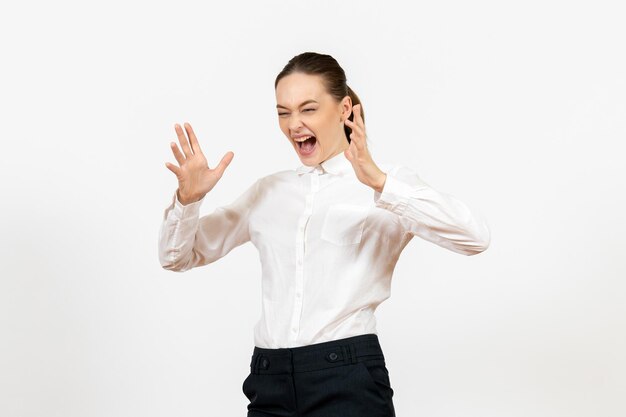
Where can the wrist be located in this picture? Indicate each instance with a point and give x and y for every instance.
(381, 183)
(185, 200)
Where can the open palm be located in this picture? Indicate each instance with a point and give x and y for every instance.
(195, 178)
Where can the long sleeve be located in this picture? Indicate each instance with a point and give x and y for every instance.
(187, 240)
(432, 215)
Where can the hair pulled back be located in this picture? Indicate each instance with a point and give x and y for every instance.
(333, 76)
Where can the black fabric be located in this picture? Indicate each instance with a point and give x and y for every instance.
(340, 378)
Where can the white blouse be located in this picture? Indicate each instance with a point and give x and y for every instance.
(328, 244)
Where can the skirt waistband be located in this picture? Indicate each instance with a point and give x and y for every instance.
(316, 356)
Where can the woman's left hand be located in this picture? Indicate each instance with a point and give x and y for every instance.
(359, 156)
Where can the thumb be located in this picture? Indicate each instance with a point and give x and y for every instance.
(226, 159)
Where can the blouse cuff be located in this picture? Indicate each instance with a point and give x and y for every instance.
(186, 210)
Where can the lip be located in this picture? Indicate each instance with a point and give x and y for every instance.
(301, 136)
(299, 150)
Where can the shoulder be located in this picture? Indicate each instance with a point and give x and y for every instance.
(396, 168)
(403, 172)
(276, 177)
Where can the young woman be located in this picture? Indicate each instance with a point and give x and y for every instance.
(329, 234)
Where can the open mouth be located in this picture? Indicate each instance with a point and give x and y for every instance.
(306, 146)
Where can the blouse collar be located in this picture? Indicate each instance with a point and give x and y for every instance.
(336, 165)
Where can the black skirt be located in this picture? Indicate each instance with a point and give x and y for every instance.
(343, 378)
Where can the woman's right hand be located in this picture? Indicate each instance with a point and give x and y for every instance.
(195, 178)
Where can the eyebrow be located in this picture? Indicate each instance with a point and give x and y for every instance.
(301, 104)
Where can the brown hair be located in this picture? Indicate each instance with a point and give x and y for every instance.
(333, 76)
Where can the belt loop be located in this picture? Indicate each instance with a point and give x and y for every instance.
(345, 352)
(352, 353)
(255, 364)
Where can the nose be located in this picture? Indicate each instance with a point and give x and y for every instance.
(294, 124)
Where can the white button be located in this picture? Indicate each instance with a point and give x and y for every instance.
(294, 330)
(299, 261)
(298, 294)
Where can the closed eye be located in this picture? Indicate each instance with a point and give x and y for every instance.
(281, 114)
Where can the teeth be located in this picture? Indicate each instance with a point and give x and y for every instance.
(302, 139)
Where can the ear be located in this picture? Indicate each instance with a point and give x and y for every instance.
(346, 108)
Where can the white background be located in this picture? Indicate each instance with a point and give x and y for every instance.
(517, 109)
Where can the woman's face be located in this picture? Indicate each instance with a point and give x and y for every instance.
(305, 108)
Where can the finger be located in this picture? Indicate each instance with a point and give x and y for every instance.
(355, 127)
(357, 109)
(358, 117)
(360, 124)
(195, 146)
(226, 159)
(347, 154)
(177, 154)
(173, 168)
(183, 140)
(359, 141)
